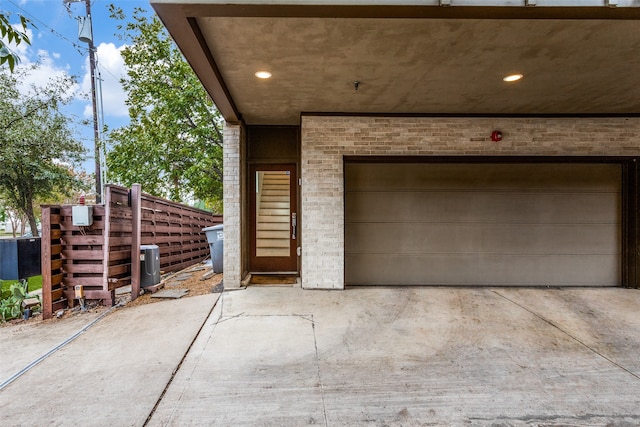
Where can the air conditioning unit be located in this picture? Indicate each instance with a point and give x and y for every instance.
(149, 265)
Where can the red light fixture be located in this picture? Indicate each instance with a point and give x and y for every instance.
(496, 136)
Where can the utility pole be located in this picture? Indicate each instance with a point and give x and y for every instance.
(96, 133)
(88, 38)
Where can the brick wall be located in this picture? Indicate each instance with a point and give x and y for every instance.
(325, 140)
(232, 198)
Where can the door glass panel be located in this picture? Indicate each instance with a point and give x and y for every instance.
(273, 213)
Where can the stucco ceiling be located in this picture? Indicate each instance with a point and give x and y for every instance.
(409, 63)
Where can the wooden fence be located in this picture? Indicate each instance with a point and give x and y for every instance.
(99, 256)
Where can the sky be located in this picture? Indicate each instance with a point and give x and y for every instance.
(54, 42)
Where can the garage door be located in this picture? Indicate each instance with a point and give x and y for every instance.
(525, 224)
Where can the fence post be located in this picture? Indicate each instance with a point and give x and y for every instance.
(136, 218)
(45, 257)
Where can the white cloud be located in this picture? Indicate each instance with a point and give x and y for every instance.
(45, 72)
(21, 49)
(40, 76)
(111, 69)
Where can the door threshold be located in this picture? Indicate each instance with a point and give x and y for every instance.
(271, 273)
(273, 279)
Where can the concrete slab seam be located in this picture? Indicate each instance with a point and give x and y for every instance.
(576, 339)
(198, 357)
(309, 318)
(31, 365)
(545, 420)
(221, 320)
(320, 382)
(177, 368)
(306, 317)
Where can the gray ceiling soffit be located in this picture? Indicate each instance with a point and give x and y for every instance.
(577, 61)
(422, 11)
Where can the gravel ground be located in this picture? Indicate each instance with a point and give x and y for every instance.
(195, 284)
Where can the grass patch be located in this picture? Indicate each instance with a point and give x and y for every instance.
(35, 283)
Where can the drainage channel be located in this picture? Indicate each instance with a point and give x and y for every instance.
(184, 356)
(31, 365)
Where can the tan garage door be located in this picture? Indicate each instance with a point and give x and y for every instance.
(525, 224)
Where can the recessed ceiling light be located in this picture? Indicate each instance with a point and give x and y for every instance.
(263, 74)
(513, 77)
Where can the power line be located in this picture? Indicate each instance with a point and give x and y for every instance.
(106, 70)
(82, 50)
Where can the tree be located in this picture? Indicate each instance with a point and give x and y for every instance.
(173, 144)
(17, 221)
(37, 149)
(13, 36)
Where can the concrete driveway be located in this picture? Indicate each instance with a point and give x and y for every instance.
(277, 356)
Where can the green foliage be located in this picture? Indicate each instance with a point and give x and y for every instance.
(13, 36)
(173, 144)
(11, 301)
(37, 147)
(33, 283)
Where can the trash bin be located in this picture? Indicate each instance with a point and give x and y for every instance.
(215, 237)
(149, 265)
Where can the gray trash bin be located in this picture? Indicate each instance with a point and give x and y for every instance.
(215, 237)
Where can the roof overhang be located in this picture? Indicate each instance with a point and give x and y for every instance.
(410, 57)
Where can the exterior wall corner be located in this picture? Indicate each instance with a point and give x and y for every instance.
(233, 206)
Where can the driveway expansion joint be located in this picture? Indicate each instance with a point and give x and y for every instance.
(574, 338)
(184, 357)
(320, 382)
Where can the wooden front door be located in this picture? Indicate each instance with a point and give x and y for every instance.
(273, 220)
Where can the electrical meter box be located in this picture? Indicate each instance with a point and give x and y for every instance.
(82, 215)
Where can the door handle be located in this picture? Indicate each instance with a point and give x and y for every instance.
(294, 225)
